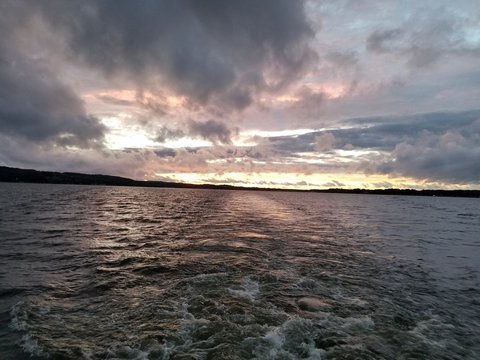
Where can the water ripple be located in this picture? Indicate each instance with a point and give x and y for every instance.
(130, 273)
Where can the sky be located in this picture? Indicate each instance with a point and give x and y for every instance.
(271, 93)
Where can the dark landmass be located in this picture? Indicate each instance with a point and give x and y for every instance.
(15, 175)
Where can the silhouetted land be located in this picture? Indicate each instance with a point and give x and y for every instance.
(8, 174)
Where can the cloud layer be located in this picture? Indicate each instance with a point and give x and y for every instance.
(221, 51)
(312, 93)
(34, 104)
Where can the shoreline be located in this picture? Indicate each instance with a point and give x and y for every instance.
(16, 175)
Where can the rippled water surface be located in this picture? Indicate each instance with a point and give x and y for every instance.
(134, 273)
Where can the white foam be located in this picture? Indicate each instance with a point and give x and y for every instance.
(127, 352)
(18, 321)
(276, 339)
(249, 290)
(356, 301)
(282, 345)
(358, 323)
(31, 346)
(350, 300)
(430, 332)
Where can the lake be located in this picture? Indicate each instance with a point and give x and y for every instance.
(91, 272)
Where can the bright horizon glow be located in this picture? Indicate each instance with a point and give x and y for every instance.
(303, 182)
(274, 133)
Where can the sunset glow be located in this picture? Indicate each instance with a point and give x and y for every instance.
(343, 96)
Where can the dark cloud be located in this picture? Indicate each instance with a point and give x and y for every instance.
(379, 133)
(150, 66)
(309, 103)
(239, 98)
(164, 133)
(40, 109)
(413, 125)
(342, 59)
(450, 156)
(221, 49)
(442, 146)
(115, 101)
(425, 38)
(334, 184)
(383, 41)
(27, 154)
(165, 152)
(324, 142)
(383, 184)
(34, 104)
(211, 130)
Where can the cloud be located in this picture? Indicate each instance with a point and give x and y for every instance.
(334, 184)
(450, 156)
(425, 37)
(209, 51)
(324, 142)
(440, 146)
(308, 103)
(164, 133)
(211, 130)
(39, 108)
(34, 104)
(342, 59)
(115, 101)
(26, 154)
(379, 133)
(385, 132)
(148, 68)
(383, 184)
(165, 152)
(383, 41)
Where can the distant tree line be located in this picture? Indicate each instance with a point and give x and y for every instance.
(14, 175)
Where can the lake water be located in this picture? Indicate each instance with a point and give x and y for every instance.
(146, 273)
